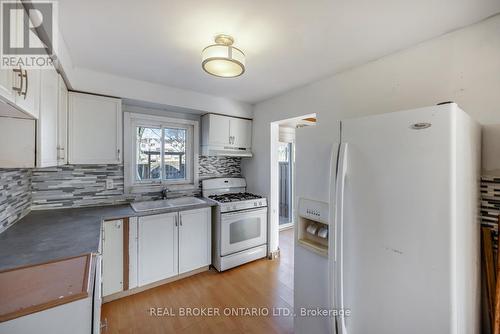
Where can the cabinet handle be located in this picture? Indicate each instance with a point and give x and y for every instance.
(180, 220)
(19, 72)
(118, 154)
(175, 220)
(25, 93)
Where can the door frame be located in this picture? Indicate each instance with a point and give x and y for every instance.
(273, 229)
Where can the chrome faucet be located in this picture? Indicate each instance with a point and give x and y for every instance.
(164, 193)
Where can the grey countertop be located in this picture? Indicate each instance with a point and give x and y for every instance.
(47, 235)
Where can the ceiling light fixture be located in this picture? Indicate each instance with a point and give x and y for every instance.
(223, 59)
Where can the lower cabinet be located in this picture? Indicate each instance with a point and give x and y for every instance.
(144, 250)
(173, 243)
(194, 246)
(112, 251)
(158, 252)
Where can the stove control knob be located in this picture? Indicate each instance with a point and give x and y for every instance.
(234, 207)
(254, 203)
(260, 203)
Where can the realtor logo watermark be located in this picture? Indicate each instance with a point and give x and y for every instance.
(28, 34)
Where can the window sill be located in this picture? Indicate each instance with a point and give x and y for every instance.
(148, 188)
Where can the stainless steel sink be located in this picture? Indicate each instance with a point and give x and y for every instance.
(165, 204)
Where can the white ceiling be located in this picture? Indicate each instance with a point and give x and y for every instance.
(288, 43)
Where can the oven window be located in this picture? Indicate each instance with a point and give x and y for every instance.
(244, 229)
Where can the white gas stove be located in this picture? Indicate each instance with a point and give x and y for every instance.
(240, 223)
(238, 201)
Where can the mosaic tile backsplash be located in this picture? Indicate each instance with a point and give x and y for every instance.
(209, 167)
(85, 185)
(15, 196)
(76, 185)
(490, 200)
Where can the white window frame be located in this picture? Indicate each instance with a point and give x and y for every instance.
(131, 122)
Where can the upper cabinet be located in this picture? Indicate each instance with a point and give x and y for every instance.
(226, 136)
(95, 129)
(17, 142)
(240, 132)
(47, 126)
(20, 87)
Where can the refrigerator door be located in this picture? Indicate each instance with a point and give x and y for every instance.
(316, 156)
(397, 236)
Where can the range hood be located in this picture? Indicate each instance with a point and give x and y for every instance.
(225, 151)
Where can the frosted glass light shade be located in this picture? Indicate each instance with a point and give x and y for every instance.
(223, 61)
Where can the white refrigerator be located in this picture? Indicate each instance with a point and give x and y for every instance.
(403, 251)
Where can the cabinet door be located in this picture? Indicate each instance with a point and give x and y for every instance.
(95, 129)
(218, 133)
(194, 239)
(241, 132)
(112, 257)
(158, 253)
(6, 84)
(28, 99)
(47, 122)
(62, 123)
(18, 153)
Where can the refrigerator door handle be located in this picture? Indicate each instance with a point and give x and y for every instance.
(331, 240)
(339, 236)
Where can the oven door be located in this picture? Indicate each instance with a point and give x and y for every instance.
(243, 230)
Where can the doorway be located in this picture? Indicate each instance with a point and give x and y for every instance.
(282, 169)
(285, 161)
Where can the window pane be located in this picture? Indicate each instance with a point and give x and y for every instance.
(175, 153)
(283, 152)
(148, 143)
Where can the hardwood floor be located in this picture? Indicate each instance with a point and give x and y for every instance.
(263, 285)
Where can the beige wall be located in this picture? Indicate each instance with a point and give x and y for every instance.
(463, 66)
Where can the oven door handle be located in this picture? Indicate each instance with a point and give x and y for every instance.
(244, 212)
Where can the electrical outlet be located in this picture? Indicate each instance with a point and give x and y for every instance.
(109, 184)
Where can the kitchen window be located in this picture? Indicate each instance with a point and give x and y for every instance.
(160, 152)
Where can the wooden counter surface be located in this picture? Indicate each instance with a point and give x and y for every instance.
(38, 287)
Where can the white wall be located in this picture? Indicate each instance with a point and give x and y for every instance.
(463, 66)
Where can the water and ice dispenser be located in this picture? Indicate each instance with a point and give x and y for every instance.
(313, 232)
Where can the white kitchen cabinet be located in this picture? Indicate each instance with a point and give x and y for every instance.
(47, 126)
(226, 136)
(95, 129)
(112, 257)
(20, 86)
(6, 84)
(17, 142)
(215, 130)
(157, 248)
(194, 239)
(240, 132)
(76, 315)
(28, 80)
(62, 123)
